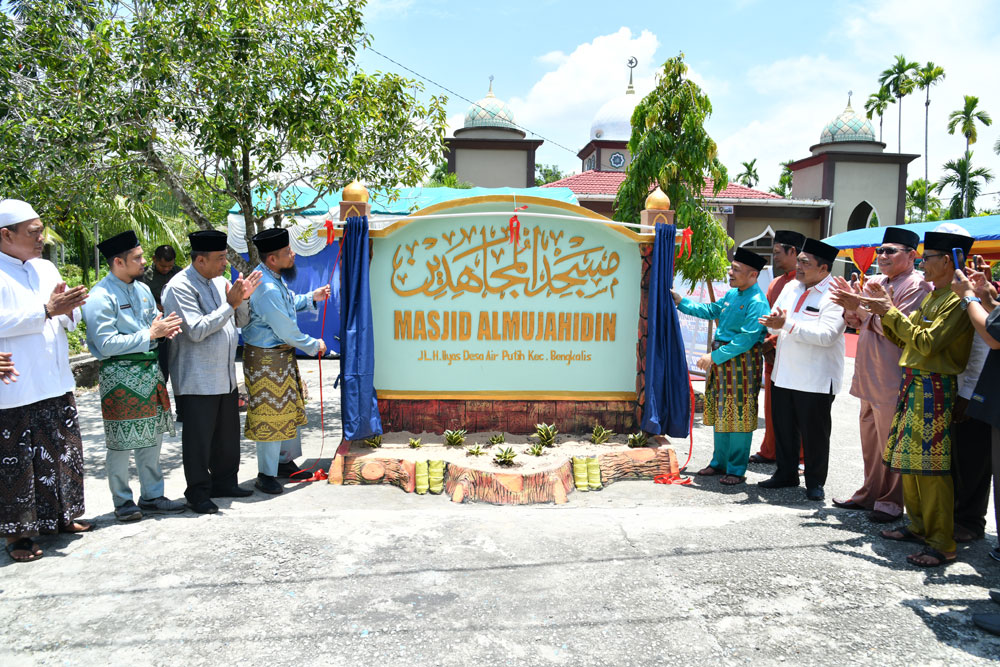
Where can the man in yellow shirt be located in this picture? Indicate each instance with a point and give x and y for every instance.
(936, 339)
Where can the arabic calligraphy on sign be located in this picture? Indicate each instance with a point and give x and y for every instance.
(479, 259)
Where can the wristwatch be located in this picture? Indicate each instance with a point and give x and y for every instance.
(966, 300)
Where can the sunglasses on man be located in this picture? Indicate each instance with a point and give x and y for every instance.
(889, 250)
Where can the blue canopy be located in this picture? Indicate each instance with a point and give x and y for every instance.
(985, 228)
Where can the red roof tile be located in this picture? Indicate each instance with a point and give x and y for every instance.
(607, 183)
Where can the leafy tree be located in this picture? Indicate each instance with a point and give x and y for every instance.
(262, 103)
(919, 198)
(876, 105)
(965, 120)
(967, 182)
(784, 186)
(748, 176)
(927, 76)
(900, 83)
(547, 173)
(670, 148)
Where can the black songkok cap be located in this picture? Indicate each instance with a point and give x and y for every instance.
(207, 240)
(819, 249)
(270, 240)
(901, 236)
(751, 259)
(945, 242)
(788, 237)
(116, 245)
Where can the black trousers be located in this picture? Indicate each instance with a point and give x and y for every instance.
(163, 347)
(801, 417)
(971, 470)
(210, 442)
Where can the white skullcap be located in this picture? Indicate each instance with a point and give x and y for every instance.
(951, 228)
(13, 211)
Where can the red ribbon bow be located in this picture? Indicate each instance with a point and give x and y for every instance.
(329, 231)
(685, 243)
(515, 226)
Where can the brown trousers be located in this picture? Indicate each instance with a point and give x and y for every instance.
(882, 489)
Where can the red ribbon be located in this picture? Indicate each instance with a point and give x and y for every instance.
(329, 231)
(685, 243)
(514, 226)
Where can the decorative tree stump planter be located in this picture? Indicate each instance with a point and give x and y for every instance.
(478, 480)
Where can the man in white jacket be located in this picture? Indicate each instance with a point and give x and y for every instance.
(808, 369)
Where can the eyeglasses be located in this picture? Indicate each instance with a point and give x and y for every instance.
(940, 254)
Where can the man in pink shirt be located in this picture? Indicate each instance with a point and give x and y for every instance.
(876, 370)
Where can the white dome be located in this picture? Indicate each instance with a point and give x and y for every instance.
(613, 121)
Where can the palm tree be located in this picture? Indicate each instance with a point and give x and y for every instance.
(965, 119)
(877, 104)
(897, 79)
(748, 176)
(929, 75)
(919, 198)
(784, 186)
(996, 147)
(967, 182)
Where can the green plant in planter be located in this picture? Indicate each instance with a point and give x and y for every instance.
(536, 449)
(546, 434)
(415, 443)
(497, 439)
(455, 438)
(505, 457)
(637, 439)
(600, 435)
(475, 450)
(374, 442)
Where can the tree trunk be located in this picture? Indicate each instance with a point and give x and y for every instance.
(927, 111)
(965, 181)
(711, 323)
(899, 141)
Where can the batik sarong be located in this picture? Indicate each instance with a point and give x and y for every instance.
(276, 403)
(41, 467)
(920, 438)
(731, 391)
(134, 401)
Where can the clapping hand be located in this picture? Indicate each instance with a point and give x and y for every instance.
(63, 301)
(845, 294)
(878, 300)
(8, 373)
(775, 320)
(165, 326)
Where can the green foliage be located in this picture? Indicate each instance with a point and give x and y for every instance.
(546, 434)
(967, 118)
(967, 183)
(600, 435)
(454, 438)
(505, 457)
(784, 186)
(637, 439)
(475, 450)
(877, 103)
(536, 449)
(748, 176)
(919, 199)
(415, 443)
(374, 442)
(670, 147)
(547, 173)
(442, 179)
(497, 439)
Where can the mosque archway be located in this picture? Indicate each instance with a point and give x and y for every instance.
(863, 215)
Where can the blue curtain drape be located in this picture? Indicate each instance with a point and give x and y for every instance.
(668, 400)
(358, 402)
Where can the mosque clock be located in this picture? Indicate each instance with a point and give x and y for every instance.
(617, 160)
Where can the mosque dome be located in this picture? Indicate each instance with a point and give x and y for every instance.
(613, 121)
(848, 126)
(490, 112)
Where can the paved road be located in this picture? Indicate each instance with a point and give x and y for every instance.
(637, 574)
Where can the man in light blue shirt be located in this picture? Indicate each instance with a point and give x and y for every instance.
(122, 328)
(276, 406)
(734, 366)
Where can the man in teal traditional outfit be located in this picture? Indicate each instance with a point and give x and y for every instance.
(123, 326)
(276, 408)
(733, 366)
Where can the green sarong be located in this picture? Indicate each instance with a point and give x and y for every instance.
(134, 401)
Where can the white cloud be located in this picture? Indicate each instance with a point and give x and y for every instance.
(387, 8)
(553, 58)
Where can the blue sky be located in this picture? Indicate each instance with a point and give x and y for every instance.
(776, 72)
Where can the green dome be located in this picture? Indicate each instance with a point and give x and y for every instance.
(490, 112)
(848, 126)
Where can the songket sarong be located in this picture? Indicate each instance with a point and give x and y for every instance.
(134, 401)
(731, 391)
(276, 403)
(41, 467)
(920, 438)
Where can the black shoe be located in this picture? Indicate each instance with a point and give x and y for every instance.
(988, 622)
(815, 493)
(287, 469)
(205, 506)
(995, 553)
(777, 483)
(268, 484)
(995, 595)
(234, 491)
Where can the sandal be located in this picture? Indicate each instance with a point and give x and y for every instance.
(707, 471)
(76, 527)
(905, 535)
(928, 552)
(24, 544)
(732, 480)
